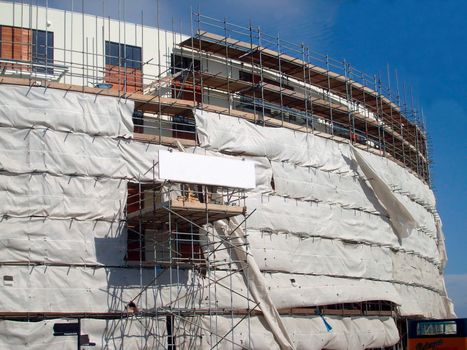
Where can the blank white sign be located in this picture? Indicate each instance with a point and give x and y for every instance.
(206, 170)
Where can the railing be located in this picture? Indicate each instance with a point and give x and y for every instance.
(27, 69)
(181, 80)
(157, 197)
(175, 238)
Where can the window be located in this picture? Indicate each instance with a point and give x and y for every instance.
(179, 63)
(123, 55)
(23, 44)
(112, 53)
(183, 127)
(123, 67)
(135, 246)
(138, 122)
(170, 320)
(245, 76)
(437, 328)
(43, 51)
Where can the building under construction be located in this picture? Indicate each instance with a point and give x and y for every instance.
(221, 189)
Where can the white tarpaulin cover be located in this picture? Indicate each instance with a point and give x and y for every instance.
(308, 333)
(236, 135)
(321, 233)
(256, 283)
(401, 219)
(317, 195)
(25, 107)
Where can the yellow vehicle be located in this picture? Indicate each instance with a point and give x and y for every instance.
(448, 334)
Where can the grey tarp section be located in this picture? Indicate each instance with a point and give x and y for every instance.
(26, 107)
(255, 283)
(401, 219)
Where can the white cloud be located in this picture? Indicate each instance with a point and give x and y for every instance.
(457, 291)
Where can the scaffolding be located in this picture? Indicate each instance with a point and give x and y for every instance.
(328, 97)
(225, 68)
(171, 232)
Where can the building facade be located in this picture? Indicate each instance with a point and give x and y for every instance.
(222, 189)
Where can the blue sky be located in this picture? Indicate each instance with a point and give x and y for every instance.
(426, 41)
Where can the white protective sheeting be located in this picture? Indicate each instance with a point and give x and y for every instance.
(312, 184)
(291, 253)
(64, 241)
(441, 243)
(318, 256)
(324, 218)
(401, 219)
(292, 179)
(288, 290)
(61, 153)
(310, 333)
(62, 197)
(346, 190)
(50, 288)
(319, 235)
(425, 220)
(277, 214)
(424, 302)
(131, 333)
(229, 134)
(255, 284)
(33, 336)
(401, 180)
(26, 107)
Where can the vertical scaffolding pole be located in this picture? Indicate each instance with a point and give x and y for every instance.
(312, 118)
(328, 95)
(280, 79)
(261, 75)
(228, 69)
(305, 86)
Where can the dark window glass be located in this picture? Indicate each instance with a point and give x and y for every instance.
(133, 56)
(170, 332)
(245, 76)
(43, 51)
(128, 54)
(179, 63)
(122, 55)
(111, 53)
(182, 123)
(135, 246)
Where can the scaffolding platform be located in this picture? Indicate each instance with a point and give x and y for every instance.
(194, 211)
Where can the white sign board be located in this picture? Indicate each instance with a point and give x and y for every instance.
(206, 170)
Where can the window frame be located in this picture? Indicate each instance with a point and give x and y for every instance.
(123, 55)
(45, 58)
